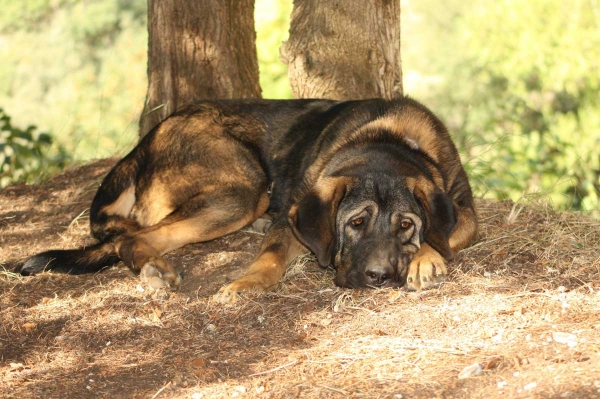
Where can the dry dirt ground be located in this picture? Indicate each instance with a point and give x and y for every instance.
(521, 309)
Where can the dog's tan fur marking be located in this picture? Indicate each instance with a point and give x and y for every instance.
(123, 205)
(428, 267)
(155, 204)
(279, 249)
(168, 235)
(465, 231)
(411, 124)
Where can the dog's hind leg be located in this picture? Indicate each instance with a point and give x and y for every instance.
(202, 218)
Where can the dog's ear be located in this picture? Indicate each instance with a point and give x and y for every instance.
(440, 218)
(313, 218)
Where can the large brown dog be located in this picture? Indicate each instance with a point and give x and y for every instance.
(373, 188)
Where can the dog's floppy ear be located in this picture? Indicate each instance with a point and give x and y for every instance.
(313, 218)
(440, 218)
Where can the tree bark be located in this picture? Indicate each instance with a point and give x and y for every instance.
(198, 49)
(344, 49)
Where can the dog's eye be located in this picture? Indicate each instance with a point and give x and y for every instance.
(357, 222)
(405, 224)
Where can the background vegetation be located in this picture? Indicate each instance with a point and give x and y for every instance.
(517, 82)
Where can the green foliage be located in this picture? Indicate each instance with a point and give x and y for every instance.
(26, 155)
(518, 83)
(26, 14)
(78, 70)
(272, 20)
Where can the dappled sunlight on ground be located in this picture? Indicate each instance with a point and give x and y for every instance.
(520, 312)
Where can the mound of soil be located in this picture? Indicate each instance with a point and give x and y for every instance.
(518, 318)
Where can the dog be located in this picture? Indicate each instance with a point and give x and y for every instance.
(373, 188)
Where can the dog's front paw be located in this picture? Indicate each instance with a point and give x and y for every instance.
(427, 270)
(229, 293)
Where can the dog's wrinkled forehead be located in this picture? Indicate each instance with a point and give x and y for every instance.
(384, 190)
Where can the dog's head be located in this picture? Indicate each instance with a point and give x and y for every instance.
(370, 227)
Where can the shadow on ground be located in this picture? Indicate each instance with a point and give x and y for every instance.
(522, 303)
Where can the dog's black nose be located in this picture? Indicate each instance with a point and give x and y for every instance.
(379, 274)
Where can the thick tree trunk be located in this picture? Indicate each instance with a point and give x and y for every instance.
(347, 49)
(198, 49)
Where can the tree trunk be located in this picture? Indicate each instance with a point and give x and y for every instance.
(344, 49)
(198, 49)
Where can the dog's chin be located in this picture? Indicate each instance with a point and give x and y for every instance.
(352, 281)
(402, 276)
(342, 281)
(387, 284)
(347, 279)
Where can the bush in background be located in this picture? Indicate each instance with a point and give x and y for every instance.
(27, 155)
(76, 69)
(518, 83)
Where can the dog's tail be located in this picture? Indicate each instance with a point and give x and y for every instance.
(110, 217)
(76, 261)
